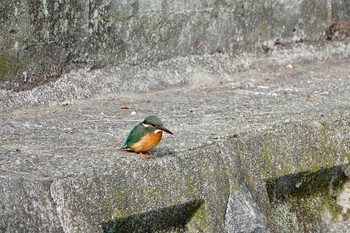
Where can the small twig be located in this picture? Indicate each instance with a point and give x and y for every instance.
(28, 138)
(43, 172)
(42, 157)
(9, 170)
(75, 146)
(4, 161)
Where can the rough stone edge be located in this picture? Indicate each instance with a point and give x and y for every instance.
(82, 84)
(260, 220)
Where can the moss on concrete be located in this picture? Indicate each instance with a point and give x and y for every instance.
(267, 156)
(320, 149)
(307, 197)
(10, 68)
(199, 221)
(309, 212)
(4, 67)
(191, 189)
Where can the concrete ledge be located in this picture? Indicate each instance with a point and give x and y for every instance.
(257, 150)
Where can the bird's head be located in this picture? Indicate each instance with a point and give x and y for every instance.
(155, 122)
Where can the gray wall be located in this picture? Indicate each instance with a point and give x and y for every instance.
(40, 40)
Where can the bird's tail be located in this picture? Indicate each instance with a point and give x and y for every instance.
(124, 147)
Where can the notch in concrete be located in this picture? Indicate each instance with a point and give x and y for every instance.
(173, 218)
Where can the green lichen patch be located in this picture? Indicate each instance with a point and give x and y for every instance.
(305, 214)
(199, 221)
(191, 189)
(300, 201)
(267, 156)
(9, 67)
(308, 148)
(4, 67)
(113, 206)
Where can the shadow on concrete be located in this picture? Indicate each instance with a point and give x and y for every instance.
(306, 183)
(173, 218)
(157, 152)
(164, 151)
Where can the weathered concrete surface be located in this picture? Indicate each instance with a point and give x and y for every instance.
(262, 150)
(81, 83)
(41, 40)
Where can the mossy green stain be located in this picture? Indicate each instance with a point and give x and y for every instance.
(263, 173)
(267, 156)
(118, 212)
(190, 187)
(4, 67)
(346, 214)
(329, 203)
(156, 192)
(42, 63)
(10, 67)
(315, 165)
(110, 210)
(309, 202)
(163, 27)
(310, 210)
(199, 220)
(330, 148)
(250, 180)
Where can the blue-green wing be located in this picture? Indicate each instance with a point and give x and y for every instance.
(135, 135)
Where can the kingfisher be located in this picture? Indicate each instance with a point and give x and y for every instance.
(145, 136)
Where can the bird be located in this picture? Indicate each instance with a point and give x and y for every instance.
(145, 136)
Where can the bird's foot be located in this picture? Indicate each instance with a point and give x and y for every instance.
(149, 154)
(146, 155)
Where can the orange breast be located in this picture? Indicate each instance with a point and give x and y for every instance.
(148, 142)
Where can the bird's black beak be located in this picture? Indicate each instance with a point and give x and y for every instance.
(164, 129)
